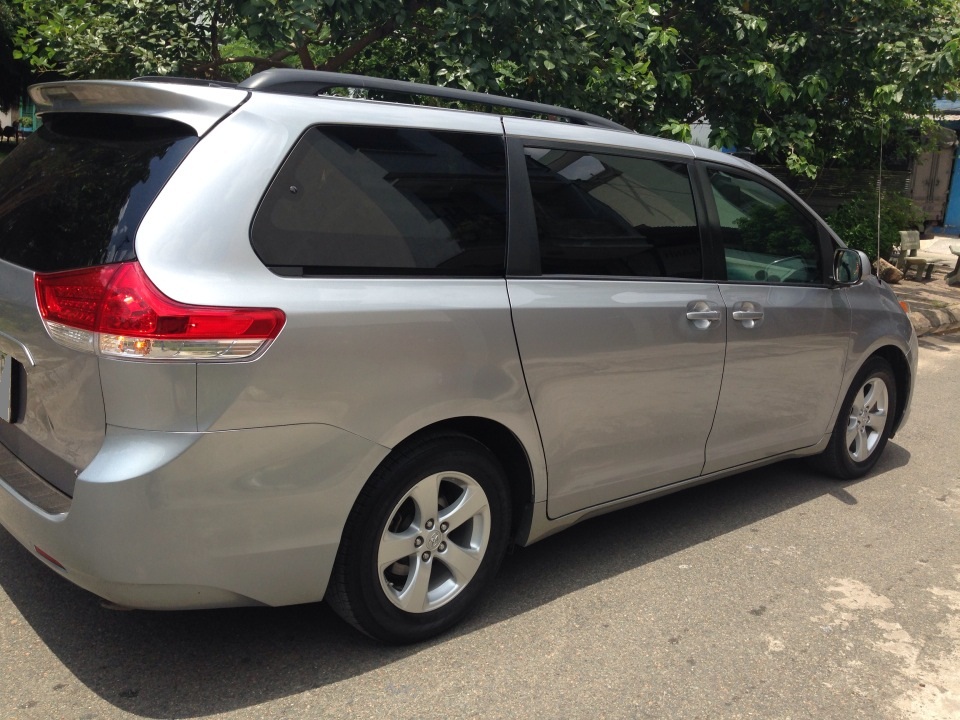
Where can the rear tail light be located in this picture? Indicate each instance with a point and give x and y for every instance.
(115, 310)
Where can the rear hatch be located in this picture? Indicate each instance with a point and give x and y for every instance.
(72, 197)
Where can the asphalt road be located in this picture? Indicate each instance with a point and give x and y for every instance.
(773, 594)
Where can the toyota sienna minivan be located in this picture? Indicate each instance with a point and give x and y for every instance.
(265, 343)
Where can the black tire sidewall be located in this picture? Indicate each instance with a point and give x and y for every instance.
(845, 466)
(373, 611)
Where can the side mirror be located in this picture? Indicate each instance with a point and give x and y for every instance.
(849, 265)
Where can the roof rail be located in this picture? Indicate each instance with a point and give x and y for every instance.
(314, 82)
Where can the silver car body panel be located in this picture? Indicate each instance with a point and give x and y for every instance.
(150, 396)
(767, 405)
(164, 520)
(882, 326)
(539, 524)
(624, 385)
(63, 411)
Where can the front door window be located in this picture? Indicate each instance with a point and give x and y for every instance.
(765, 238)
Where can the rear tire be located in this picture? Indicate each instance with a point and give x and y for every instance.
(864, 424)
(423, 541)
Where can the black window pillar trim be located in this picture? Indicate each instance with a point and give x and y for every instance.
(523, 246)
(711, 240)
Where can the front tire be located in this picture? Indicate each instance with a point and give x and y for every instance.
(864, 424)
(424, 539)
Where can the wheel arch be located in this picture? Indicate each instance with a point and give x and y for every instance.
(502, 442)
(901, 373)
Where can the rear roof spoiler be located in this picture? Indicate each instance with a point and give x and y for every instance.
(187, 103)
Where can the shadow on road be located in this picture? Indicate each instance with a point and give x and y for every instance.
(942, 343)
(188, 664)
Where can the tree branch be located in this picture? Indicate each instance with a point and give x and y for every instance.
(342, 58)
(215, 32)
(303, 51)
(375, 35)
(281, 54)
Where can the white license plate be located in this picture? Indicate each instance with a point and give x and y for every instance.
(6, 387)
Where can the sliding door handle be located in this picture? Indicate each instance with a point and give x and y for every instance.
(702, 314)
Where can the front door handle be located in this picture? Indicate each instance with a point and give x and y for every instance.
(748, 313)
(702, 314)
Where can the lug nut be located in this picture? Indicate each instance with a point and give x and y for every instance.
(444, 526)
(442, 547)
(418, 542)
(425, 557)
(429, 524)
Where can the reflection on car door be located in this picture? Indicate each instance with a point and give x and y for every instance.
(787, 331)
(621, 340)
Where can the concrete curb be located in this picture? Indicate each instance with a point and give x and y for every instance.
(935, 320)
(934, 305)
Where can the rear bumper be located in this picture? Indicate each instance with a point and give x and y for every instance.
(189, 520)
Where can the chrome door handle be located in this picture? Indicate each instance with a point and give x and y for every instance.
(702, 314)
(748, 313)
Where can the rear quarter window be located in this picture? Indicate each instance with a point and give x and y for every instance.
(386, 201)
(74, 193)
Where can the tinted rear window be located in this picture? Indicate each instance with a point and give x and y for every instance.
(74, 193)
(386, 201)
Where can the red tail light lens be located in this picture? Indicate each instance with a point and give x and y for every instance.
(115, 310)
(73, 298)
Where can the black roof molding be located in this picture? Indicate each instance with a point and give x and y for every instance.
(314, 82)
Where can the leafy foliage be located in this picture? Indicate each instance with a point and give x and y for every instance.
(811, 84)
(801, 82)
(774, 230)
(14, 72)
(856, 221)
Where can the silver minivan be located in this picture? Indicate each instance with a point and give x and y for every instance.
(270, 344)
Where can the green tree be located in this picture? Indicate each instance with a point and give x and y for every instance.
(803, 82)
(856, 221)
(811, 83)
(113, 38)
(14, 72)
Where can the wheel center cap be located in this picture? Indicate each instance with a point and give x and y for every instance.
(434, 539)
